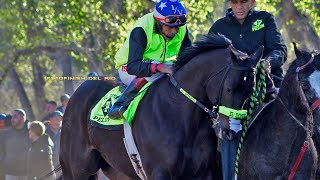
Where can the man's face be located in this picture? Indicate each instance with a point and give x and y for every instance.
(32, 135)
(51, 108)
(55, 122)
(17, 119)
(169, 31)
(241, 8)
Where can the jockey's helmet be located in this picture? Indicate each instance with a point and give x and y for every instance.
(170, 13)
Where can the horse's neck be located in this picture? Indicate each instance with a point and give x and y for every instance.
(286, 115)
(191, 79)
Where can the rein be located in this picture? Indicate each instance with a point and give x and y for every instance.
(214, 113)
(56, 169)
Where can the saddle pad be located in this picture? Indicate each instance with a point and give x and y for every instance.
(99, 117)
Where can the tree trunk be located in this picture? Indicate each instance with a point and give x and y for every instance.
(301, 31)
(66, 65)
(38, 87)
(26, 105)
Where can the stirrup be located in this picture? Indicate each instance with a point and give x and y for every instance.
(116, 114)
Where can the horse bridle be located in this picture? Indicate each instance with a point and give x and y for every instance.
(309, 127)
(218, 99)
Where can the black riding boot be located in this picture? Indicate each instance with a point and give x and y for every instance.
(116, 111)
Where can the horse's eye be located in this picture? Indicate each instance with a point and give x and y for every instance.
(228, 90)
(305, 85)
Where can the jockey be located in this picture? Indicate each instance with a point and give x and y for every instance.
(150, 50)
(248, 30)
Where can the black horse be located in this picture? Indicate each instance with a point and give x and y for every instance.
(172, 133)
(274, 141)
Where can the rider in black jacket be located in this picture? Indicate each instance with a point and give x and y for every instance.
(248, 30)
(258, 28)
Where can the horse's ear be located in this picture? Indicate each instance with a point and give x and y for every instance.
(238, 54)
(296, 50)
(255, 57)
(258, 54)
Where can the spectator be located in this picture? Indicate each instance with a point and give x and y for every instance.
(40, 152)
(92, 74)
(64, 102)
(14, 144)
(3, 119)
(50, 108)
(8, 120)
(54, 130)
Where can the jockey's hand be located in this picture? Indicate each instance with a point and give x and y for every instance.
(267, 66)
(166, 68)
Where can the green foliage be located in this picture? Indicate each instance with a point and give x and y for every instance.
(199, 16)
(310, 8)
(268, 5)
(96, 29)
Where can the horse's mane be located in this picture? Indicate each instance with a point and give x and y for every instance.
(206, 43)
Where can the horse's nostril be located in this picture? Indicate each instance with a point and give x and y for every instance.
(228, 134)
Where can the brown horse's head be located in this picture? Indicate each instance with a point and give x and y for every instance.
(235, 88)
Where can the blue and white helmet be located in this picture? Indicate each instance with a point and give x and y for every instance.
(170, 13)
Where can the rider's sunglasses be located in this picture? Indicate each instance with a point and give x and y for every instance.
(182, 19)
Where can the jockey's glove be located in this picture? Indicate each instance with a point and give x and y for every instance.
(165, 68)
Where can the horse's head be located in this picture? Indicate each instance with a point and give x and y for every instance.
(307, 70)
(305, 73)
(234, 87)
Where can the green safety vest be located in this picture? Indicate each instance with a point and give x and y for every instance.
(158, 49)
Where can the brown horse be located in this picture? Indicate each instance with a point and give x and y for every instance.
(273, 142)
(172, 133)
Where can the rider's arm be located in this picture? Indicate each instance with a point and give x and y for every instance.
(214, 28)
(275, 48)
(137, 46)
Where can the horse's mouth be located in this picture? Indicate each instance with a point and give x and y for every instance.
(228, 134)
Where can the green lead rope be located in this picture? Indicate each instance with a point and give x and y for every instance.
(261, 86)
